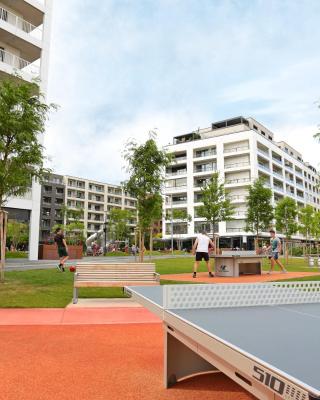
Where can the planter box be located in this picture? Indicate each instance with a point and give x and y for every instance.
(50, 252)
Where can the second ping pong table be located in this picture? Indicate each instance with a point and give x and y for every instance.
(264, 336)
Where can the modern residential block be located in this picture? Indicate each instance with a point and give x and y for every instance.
(95, 199)
(25, 27)
(241, 150)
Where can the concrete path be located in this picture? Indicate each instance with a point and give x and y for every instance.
(76, 316)
(20, 264)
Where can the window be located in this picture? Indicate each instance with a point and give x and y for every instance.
(3, 14)
(255, 127)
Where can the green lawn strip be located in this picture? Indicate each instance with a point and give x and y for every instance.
(50, 288)
(305, 278)
(16, 254)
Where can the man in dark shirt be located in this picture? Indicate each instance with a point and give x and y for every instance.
(62, 248)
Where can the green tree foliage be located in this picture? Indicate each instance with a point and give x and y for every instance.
(260, 210)
(22, 118)
(285, 214)
(306, 221)
(118, 223)
(17, 233)
(73, 226)
(181, 214)
(216, 206)
(146, 166)
(315, 229)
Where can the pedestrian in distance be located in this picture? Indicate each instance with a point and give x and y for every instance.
(62, 248)
(201, 250)
(275, 249)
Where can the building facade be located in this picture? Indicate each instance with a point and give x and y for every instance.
(95, 199)
(25, 27)
(241, 150)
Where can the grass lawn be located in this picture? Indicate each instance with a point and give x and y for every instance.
(50, 288)
(16, 254)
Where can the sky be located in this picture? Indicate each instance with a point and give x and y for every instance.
(120, 68)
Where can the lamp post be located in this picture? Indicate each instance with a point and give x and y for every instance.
(105, 234)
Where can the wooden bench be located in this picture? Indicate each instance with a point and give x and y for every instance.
(113, 275)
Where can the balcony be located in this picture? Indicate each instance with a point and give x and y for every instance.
(300, 185)
(204, 168)
(289, 167)
(238, 198)
(235, 229)
(205, 154)
(265, 153)
(170, 189)
(19, 64)
(236, 149)
(237, 165)
(20, 23)
(265, 167)
(279, 174)
(239, 180)
(278, 188)
(178, 172)
(277, 160)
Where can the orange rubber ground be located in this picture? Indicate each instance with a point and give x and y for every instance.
(97, 362)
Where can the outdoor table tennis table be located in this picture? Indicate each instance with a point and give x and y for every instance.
(264, 336)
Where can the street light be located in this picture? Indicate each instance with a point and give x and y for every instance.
(105, 234)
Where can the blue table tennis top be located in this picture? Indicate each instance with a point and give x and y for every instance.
(286, 337)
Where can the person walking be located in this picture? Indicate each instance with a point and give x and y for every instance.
(62, 248)
(275, 249)
(201, 250)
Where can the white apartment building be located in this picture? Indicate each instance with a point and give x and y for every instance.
(24, 49)
(97, 199)
(241, 150)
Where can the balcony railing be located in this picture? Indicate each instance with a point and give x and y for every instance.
(289, 167)
(172, 188)
(240, 180)
(177, 159)
(264, 166)
(205, 168)
(236, 149)
(278, 188)
(237, 198)
(277, 160)
(237, 165)
(20, 23)
(207, 154)
(179, 172)
(278, 174)
(264, 152)
(19, 63)
(174, 202)
(235, 229)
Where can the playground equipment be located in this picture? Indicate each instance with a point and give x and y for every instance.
(313, 259)
(97, 236)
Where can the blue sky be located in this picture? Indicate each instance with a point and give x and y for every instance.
(121, 68)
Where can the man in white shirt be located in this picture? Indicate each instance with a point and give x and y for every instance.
(201, 250)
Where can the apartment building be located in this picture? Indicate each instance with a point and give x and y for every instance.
(96, 199)
(53, 194)
(24, 50)
(241, 150)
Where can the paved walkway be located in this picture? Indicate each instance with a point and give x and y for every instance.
(76, 316)
(112, 362)
(24, 264)
(202, 277)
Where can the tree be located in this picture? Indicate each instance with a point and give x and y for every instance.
(73, 226)
(217, 205)
(118, 223)
(146, 166)
(17, 233)
(315, 229)
(285, 214)
(259, 209)
(22, 118)
(306, 221)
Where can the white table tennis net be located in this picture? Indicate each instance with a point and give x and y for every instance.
(240, 295)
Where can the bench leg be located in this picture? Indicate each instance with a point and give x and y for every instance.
(75, 295)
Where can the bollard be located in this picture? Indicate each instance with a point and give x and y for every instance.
(311, 262)
(319, 261)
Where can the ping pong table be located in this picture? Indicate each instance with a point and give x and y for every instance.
(264, 336)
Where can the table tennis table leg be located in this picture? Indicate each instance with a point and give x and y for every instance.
(180, 361)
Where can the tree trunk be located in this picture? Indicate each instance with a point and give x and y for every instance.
(3, 237)
(151, 243)
(140, 247)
